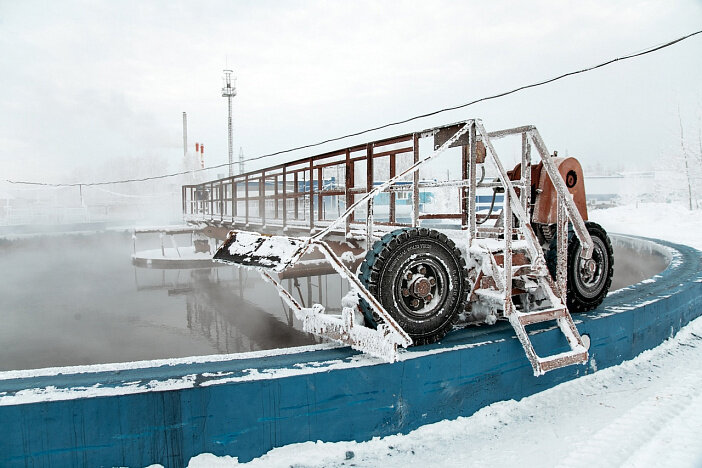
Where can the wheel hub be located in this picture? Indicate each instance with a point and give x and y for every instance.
(588, 269)
(419, 285)
(591, 273)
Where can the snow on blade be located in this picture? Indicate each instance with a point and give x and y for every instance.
(260, 250)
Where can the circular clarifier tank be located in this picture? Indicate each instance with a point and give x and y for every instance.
(79, 299)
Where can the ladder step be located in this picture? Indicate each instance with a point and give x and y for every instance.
(525, 283)
(539, 316)
(577, 356)
(491, 295)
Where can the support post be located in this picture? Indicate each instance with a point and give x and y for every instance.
(472, 166)
(562, 248)
(246, 198)
(220, 192)
(211, 200)
(285, 199)
(320, 199)
(525, 193)
(533, 243)
(465, 162)
(391, 214)
(415, 181)
(507, 263)
(369, 187)
(275, 191)
(349, 186)
(311, 196)
(295, 192)
(262, 198)
(234, 199)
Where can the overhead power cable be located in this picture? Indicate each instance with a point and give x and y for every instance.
(380, 127)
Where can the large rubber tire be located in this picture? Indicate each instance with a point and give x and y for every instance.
(586, 290)
(399, 271)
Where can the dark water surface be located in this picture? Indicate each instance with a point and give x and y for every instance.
(77, 299)
(70, 300)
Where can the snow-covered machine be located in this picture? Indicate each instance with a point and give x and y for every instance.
(415, 270)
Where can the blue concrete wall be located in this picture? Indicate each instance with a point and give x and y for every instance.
(319, 398)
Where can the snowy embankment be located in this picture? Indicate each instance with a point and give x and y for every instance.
(643, 412)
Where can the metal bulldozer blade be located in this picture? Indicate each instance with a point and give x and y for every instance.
(260, 250)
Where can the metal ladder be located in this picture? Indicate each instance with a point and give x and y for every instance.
(557, 311)
(556, 292)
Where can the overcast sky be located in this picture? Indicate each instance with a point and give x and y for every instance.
(87, 82)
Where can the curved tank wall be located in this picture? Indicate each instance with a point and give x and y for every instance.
(77, 300)
(140, 413)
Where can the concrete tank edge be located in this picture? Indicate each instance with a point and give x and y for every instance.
(171, 411)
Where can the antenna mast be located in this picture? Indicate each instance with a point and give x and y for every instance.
(229, 91)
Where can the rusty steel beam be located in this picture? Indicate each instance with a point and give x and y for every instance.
(507, 220)
(295, 191)
(562, 249)
(391, 214)
(311, 195)
(415, 181)
(465, 162)
(510, 131)
(349, 186)
(393, 152)
(525, 175)
(285, 198)
(246, 198)
(369, 187)
(441, 216)
(472, 168)
(367, 198)
(320, 200)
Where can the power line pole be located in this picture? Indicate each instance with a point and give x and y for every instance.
(229, 91)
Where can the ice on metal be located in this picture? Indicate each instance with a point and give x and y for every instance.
(260, 250)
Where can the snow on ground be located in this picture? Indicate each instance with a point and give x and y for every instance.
(670, 222)
(644, 412)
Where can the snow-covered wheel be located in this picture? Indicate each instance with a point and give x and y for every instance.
(420, 278)
(588, 280)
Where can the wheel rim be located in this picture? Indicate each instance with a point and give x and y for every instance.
(420, 287)
(590, 276)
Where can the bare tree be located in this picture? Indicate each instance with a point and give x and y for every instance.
(685, 159)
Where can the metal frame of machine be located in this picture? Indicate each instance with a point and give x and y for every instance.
(268, 231)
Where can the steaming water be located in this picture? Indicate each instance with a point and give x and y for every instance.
(78, 300)
(70, 300)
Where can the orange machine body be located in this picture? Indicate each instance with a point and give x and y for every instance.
(543, 194)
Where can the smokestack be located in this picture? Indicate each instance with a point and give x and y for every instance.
(185, 134)
(202, 155)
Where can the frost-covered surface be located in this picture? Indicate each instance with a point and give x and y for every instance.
(657, 220)
(123, 366)
(268, 251)
(644, 412)
(170, 253)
